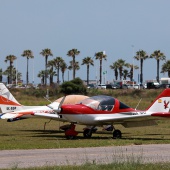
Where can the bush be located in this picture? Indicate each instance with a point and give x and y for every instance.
(75, 86)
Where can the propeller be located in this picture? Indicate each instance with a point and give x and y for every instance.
(57, 110)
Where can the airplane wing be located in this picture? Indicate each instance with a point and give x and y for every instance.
(14, 115)
(136, 121)
(47, 115)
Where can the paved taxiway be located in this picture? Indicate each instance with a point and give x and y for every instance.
(69, 156)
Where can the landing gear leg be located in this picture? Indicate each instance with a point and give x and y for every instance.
(71, 133)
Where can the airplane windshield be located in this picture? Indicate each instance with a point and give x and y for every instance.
(100, 102)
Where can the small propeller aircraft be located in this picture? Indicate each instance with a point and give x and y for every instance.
(12, 110)
(92, 111)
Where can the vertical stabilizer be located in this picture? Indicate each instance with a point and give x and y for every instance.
(8, 103)
(161, 103)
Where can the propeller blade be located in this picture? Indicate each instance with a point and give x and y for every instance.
(59, 107)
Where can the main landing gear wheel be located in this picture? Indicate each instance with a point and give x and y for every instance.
(87, 133)
(70, 137)
(117, 134)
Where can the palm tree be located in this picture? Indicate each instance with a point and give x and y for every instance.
(125, 74)
(88, 61)
(72, 53)
(63, 67)
(100, 56)
(158, 56)
(1, 75)
(120, 64)
(11, 59)
(58, 61)
(46, 52)
(75, 65)
(13, 76)
(132, 67)
(28, 54)
(141, 56)
(41, 75)
(51, 65)
(114, 66)
(166, 68)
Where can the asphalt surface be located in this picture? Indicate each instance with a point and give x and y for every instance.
(78, 156)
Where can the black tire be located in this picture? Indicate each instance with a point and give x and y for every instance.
(117, 134)
(70, 137)
(87, 133)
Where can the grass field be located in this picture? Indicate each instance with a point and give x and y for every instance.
(29, 133)
(112, 166)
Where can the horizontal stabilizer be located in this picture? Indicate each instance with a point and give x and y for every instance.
(10, 115)
(161, 114)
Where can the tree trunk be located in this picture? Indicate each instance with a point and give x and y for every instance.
(46, 57)
(27, 71)
(58, 75)
(100, 71)
(157, 77)
(141, 71)
(73, 67)
(87, 74)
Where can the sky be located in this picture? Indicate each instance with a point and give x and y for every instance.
(118, 27)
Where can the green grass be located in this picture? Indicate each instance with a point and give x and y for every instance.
(130, 165)
(30, 134)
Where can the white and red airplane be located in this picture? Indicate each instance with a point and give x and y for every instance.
(92, 111)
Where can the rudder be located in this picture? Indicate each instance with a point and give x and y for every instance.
(8, 102)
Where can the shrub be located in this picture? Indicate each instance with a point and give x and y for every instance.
(75, 86)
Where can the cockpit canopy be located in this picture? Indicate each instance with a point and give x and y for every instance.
(101, 102)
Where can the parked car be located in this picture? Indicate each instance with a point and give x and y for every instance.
(124, 86)
(164, 86)
(152, 85)
(101, 86)
(91, 86)
(112, 86)
(121, 85)
(137, 86)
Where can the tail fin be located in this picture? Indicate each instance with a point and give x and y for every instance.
(161, 105)
(8, 103)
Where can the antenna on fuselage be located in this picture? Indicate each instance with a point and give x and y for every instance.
(138, 103)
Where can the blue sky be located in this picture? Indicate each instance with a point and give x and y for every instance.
(87, 25)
